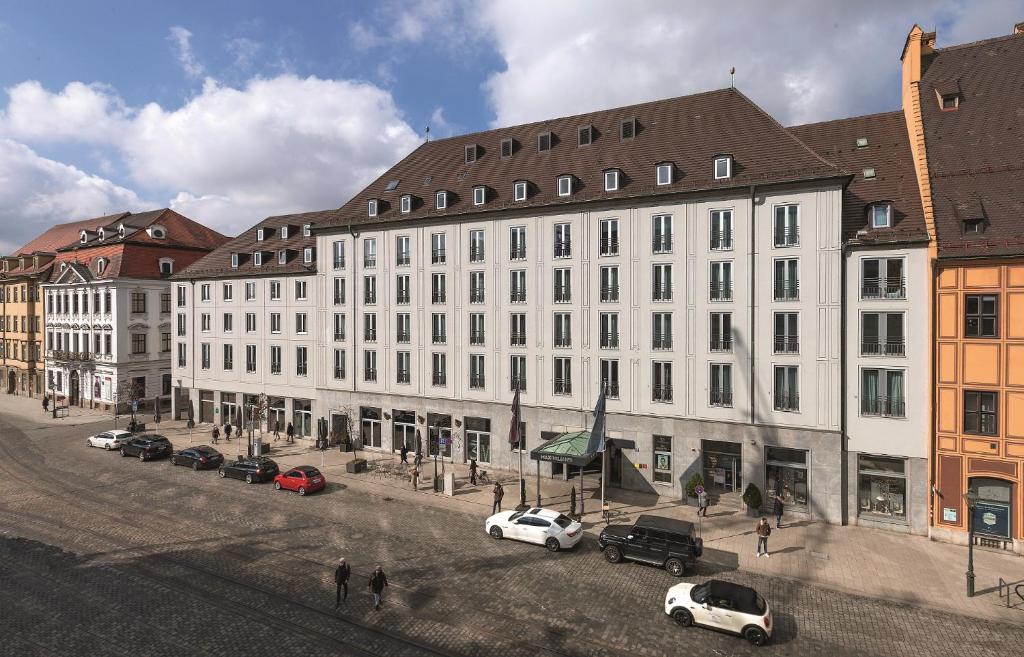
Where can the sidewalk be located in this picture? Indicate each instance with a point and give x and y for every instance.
(896, 567)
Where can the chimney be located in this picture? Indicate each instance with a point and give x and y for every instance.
(1019, 28)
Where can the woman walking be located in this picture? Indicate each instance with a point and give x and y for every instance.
(216, 434)
(291, 433)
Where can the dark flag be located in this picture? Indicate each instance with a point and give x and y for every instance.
(513, 430)
(596, 442)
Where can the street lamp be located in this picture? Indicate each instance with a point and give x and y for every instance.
(971, 498)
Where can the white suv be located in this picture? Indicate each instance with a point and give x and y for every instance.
(545, 527)
(109, 439)
(721, 606)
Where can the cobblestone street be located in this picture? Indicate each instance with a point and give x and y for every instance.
(108, 556)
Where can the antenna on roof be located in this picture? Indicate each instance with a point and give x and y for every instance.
(426, 134)
(732, 77)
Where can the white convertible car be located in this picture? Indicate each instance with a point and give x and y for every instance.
(551, 529)
(109, 439)
(721, 606)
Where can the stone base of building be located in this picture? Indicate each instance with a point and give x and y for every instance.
(956, 537)
(885, 492)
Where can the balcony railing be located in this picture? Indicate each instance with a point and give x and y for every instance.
(437, 257)
(883, 406)
(402, 376)
(563, 341)
(476, 382)
(611, 389)
(370, 335)
(403, 336)
(563, 294)
(339, 263)
(563, 386)
(339, 298)
(661, 341)
(403, 298)
(609, 341)
(609, 293)
(370, 261)
(609, 247)
(439, 379)
(787, 291)
(338, 337)
(789, 236)
(720, 397)
(517, 296)
(563, 249)
(518, 340)
(339, 372)
(662, 293)
(789, 344)
(517, 253)
(402, 259)
(476, 295)
(661, 244)
(787, 401)
(370, 297)
(518, 383)
(476, 254)
(662, 394)
(721, 240)
(439, 338)
(721, 292)
(889, 287)
(370, 374)
(891, 347)
(721, 344)
(476, 338)
(437, 297)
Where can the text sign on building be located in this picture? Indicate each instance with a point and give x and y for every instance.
(948, 515)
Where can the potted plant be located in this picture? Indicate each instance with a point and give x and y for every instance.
(752, 498)
(691, 488)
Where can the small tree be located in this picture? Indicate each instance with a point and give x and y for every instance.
(127, 392)
(691, 486)
(752, 496)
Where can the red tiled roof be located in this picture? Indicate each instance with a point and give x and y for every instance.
(63, 234)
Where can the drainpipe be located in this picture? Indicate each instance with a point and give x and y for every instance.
(753, 306)
(355, 314)
(844, 441)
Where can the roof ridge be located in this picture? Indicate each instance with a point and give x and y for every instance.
(801, 126)
(979, 42)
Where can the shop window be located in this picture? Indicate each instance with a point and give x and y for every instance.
(439, 435)
(786, 475)
(369, 424)
(663, 459)
(882, 487)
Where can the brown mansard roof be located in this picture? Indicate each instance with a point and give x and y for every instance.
(688, 132)
(888, 153)
(976, 152)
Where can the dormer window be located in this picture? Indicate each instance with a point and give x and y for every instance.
(627, 129)
(101, 265)
(723, 167)
(869, 173)
(862, 142)
(974, 226)
(260, 234)
(565, 185)
(585, 135)
(307, 255)
(100, 234)
(479, 195)
(166, 266)
(307, 230)
(543, 142)
(949, 102)
(284, 232)
(234, 261)
(282, 257)
(507, 147)
(664, 173)
(441, 200)
(405, 203)
(82, 237)
(21, 263)
(880, 214)
(157, 232)
(257, 258)
(520, 190)
(120, 231)
(611, 180)
(371, 208)
(471, 153)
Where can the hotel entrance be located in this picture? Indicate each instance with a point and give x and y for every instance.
(723, 471)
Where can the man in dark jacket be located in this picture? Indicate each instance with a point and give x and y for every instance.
(778, 506)
(405, 454)
(499, 492)
(378, 580)
(472, 471)
(341, 575)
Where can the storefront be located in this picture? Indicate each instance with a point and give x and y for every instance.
(786, 475)
(882, 488)
(369, 427)
(478, 439)
(206, 406)
(228, 407)
(403, 425)
(302, 417)
(722, 466)
(276, 416)
(439, 435)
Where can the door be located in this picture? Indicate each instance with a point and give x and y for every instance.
(10, 382)
(636, 544)
(73, 389)
(541, 530)
(615, 467)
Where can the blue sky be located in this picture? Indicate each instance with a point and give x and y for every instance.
(230, 111)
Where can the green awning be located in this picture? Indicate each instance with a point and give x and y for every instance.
(569, 448)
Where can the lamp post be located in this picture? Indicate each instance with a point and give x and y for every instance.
(971, 498)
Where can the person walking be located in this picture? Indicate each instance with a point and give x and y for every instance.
(46, 404)
(341, 575)
(418, 461)
(227, 431)
(702, 501)
(499, 493)
(378, 580)
(277, 430)
(414, 476)
(405, 454)
(215, 434)
(472, 471)
(764, 530)
(290, 432)
(778, 506)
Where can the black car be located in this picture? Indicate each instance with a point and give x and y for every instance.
(146, 447)
(203, 457)
(663, 542)
(252, 469)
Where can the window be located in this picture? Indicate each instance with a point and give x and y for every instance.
(544, 142)
(370, 289)
(165, 304)
(284, 232)
(563, 285)
(181, 324)
(476, 287)
(880, 214)
(165, 344)
(282, 257)
(610, 283)
(980, 412)
(405, 204)
(250, 291)
(300, 323)
(370, 253)
(787, 335)
(275, 359)
(611, 180)
(663, 459)
(479, 195)
(981, 316)
(339, 364)
(229, 357)
(563, 376)
(370, 327)
(662, 382)
(260, 234)
(476, 246)
(476, 329)
(721, 281)
(476, 371)
(882, 278)
(517, 240)
(471, 153)
(339, 327)
(882, 334)
(786, 476)
(403, 328)
(610, 377)
(787, 280)
(723, 167)
(517, 288)
(275, 322)
(138, 302)
(300, 290)
(517, 332)
(307, 255)
(371, 207)
(565, 185)
(787, 388)
(661, 283)
(438, 255)
(721, 332)
(881, 393)
(563, 240)
(609, 237)
(234, 260)
(609, 330)
(721, 230)
(339, 291)
(663, 174)
(204, 322)
(585, 135)
(882, 487)
(338, 254)
(228, 322)
(661, 331)
(275, 290)
(402, 295)
(437, 288)
(402, 367)
(439, 375)
(204, 355)
(301, 361)
(507, 147)
(438, 323)
(787, 225)
(661, 233)
(250, 358)
(227, 292)
(721, 385)
(101, 265)
(563, 330)
(627, 129)
(441, 200)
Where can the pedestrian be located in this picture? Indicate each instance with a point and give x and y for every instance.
(341, 575)
(702, 501)
(405, 454)
(764, 530)
(499, 493)
(378, 580)
(418, 461)
(290, 431)
(227, 431)
(277, 430)
(472, 471)
(46, 404)
(414, 476)
(216, 434)
(778, 506)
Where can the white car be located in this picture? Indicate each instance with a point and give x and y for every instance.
(721, 606)
(109, 439)
(552, 529)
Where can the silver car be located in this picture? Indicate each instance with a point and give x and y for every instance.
(109, 439)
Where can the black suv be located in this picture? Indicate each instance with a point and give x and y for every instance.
(664, 542)
(252, 470)
(198, 458)
(147, 447)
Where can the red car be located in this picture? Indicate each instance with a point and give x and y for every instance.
(303, 479)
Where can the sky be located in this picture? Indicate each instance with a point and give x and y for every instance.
(233, 111)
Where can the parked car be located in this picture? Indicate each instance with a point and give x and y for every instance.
(664, 542)
(551, 529)
(250, 469)
(721, 606)
(109, 439)
(302, 479)
(203, 457)
(146, 447)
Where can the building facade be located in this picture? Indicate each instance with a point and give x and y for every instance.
(21, 317)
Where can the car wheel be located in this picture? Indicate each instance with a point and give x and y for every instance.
(277, 485)
(248, 478)
(755, 635)
(496, 532)
(124, 452)
(222, 473)
(302, 491)
(552, 544)
(675, 567)
(613, 554)
(682, 617)
(108, 447)
(195, 466)
(142, 456)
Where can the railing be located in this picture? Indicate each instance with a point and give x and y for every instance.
(721, 240)
(611, 389)
(476, 295)
(609, 341)
(563, 386)
(609, 293)
(662, 394)
(402, 298)
(439, 379)
(370, 261)
(476, 337)
(402, 259)
(563, 294)
(787, 291)
(437, 257)
(787, 401)
(437, 297)
(339, 263)
(370, 297)
(339, 372)
(721, 344)
(370, 335)
(720, 397)
(402, 376)
(339, 298)
(403, 336)
(517, 253)
(476, 382)
(476, 255)
(370, 375)
(721, 292)
(338, 337)
(661, 244)
(518, 340)
(883, 406)
(888, 348)
(787, 344)
(609, 247)
(517, 296)
(439, 338)
(518, 382)
(889, 287)
(563, 249)
(789, 236)
(563, 341)
(662, 293)
(661, 341)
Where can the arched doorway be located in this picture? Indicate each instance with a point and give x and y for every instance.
(12, 382)
(73, 387)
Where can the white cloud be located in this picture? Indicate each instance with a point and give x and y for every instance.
(182, 40)
(244, 50)
(440, 126)
(37, 192)
(81, 112)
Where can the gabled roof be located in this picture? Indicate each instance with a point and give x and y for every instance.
(687, 131)
(181, 232)
(61, 235)
(72, 272)
(888, 153)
